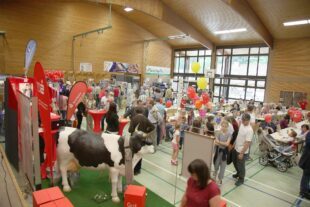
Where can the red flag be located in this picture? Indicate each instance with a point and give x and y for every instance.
(41, 90)
(77, 92)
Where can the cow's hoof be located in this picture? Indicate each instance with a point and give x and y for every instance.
(66, 189)
(116, 200)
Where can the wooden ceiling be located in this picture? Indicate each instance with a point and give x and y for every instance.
(263, 19)
(157, 27)
(274, 12)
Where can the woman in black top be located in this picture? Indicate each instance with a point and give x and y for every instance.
(80, 113)
(112, 119)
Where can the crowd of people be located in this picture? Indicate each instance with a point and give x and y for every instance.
(233, 132)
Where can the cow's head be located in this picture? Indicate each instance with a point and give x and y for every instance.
(141, 142)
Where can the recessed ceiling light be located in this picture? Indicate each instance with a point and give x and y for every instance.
(299, 22)
(128, 9)
(230, 31)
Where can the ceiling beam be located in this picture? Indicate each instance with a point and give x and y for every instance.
(172, 18)
(244, 9)
(157, 9)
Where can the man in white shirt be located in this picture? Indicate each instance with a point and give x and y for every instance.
(241, 150)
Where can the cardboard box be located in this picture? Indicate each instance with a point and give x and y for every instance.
(46, 196)
(64, 202)
(135, 196)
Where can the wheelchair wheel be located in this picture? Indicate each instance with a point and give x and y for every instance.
(263, 160)
(282, 166)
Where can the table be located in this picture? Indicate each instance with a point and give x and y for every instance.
(97, 116)
(122, 124)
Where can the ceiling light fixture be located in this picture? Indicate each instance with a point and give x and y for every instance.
(128, 9)
(230, 31)
(173, 37)
(294, 23)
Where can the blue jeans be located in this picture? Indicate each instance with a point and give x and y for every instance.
(169, 131)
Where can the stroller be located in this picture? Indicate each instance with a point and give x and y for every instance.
(277, 155)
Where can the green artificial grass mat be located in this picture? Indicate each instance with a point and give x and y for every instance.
(93, 182)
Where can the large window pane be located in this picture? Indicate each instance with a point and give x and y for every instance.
(207, 63)
(251, 83)
(259, 95)
(175, 86)
(216, 90)
(236, 92)
(181, 65)
(201, 52)
(189, 68)
(263, 65)
(254, 50)
(250, 92)
(240, 51)
(176, 65)
(219, 52)
(217, 80)
(237, 82)
(264, 50)
(239, 65)
(260, 83)
(219, 60)
(202, 66)
(208, 52)
(192, 53)
(253, 65)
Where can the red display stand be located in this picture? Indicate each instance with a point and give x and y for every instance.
(122, 124)
(135, 196)
(97, 116)
(45, 196)
(54, 119)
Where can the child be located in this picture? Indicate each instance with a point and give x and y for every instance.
(175, 145)
(222, 140)
(183, 128)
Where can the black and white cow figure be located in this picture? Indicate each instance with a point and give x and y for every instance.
(78, 148)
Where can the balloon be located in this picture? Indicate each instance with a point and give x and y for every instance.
(198, 104)
(297, 116)
(195, 67)
(202, 83)
(268, 118)
(168, 104)
(202, 113)
(191, 93)
(291, 111)
(205, 98)
(89, 89)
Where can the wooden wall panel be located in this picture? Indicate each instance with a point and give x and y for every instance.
(53, 25)
(289, 68)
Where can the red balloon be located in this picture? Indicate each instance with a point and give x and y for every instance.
(198, 104)
(205, 98)
(89, 89)
(291, 111)
(191, 93)
(297, 116)
(268, 118)
(168, 104)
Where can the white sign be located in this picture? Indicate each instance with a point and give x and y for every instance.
(158, 71)
(86, 67)
(210, 73)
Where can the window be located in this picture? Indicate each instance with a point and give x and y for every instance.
(245, 70)
(239, 65)
(182, 65)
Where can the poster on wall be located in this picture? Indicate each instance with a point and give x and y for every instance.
(86, 67)
(210, 73)
(117, 67)
(157, 71)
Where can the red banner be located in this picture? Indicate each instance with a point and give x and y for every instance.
(41, 90)
(77, 93)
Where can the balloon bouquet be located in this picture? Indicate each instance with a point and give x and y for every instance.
(204, 99)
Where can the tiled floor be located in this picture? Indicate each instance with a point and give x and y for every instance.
(264, 186)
